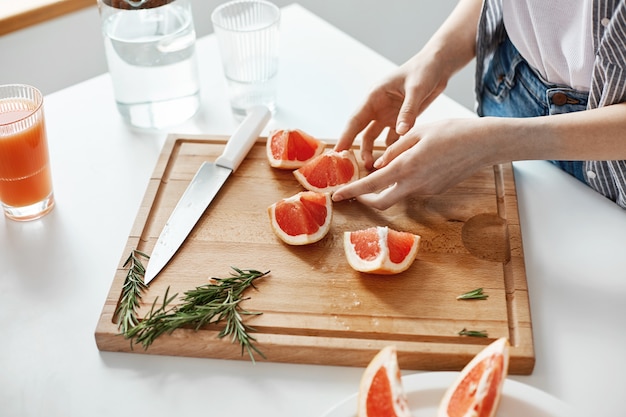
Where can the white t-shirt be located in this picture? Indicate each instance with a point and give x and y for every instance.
(555, 38)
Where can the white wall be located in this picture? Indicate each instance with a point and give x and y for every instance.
(64, 51)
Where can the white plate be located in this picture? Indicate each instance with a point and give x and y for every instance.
(424, 392)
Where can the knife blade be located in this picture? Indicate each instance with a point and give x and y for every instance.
(203, 188)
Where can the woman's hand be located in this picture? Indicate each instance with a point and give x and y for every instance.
(429, 159)
(394, 104)
(398, 100)
(433, 157)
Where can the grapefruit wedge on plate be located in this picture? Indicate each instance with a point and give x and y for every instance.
(424, 391)
(303, 218)
(381, 393)
(292, 148)
(327, 172)
(380, 250)
(477, 390)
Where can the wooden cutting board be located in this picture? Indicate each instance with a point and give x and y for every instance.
(316, 309)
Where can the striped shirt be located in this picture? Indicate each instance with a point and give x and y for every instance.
(608, 82)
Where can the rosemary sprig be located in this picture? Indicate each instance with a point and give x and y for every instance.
(473, 333)
(476, 294)
(213, 303)
(126, 311)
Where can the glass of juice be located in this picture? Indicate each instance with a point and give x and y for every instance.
(25, 179)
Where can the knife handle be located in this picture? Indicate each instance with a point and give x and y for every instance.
(240, 143)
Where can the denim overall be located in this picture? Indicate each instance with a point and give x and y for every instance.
(513, 89)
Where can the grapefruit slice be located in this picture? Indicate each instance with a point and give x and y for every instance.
(381, 393)
(290, 149)
(477, 390)
(301, 219)
(380, 250)
(328, 171)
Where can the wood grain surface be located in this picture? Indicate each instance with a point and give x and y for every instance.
(316, 309)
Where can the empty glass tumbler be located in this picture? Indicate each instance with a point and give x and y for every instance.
(248, 36)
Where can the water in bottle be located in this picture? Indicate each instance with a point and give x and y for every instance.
(152, 61)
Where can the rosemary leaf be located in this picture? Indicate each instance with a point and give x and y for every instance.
(213, 303)
(126, 311)
(473, 333)
(476, 294)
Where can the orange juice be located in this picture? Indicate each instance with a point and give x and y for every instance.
(24, 168)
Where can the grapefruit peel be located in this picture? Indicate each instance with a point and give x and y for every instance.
(328, 171)
(477, 390)
(380, 391)
(297, 220)
(383, 262)
(292, 148)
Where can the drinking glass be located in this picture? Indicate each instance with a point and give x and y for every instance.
(248, 36)
(25, 179)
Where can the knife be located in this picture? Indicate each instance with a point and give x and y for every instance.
(203, 188)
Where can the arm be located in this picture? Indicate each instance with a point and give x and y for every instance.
(434, 157)
(400, 98)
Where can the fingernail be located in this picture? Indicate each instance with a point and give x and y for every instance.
(402, 127)
(378, 163)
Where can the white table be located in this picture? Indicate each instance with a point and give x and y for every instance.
(55, 273)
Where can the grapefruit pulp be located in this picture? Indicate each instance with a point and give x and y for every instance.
(301, 219)
(290, 149)
(328, 171)
(477, 390)
(380, 392)
(380, 250)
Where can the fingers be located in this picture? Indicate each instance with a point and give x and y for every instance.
(367, 143)
(379, 200)
(382, 200)
(370, 133)
(408, 113)
(386, 186)
(392, 137)
(417, 99)
(396, 148)
(374, 182)
(355, 125)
